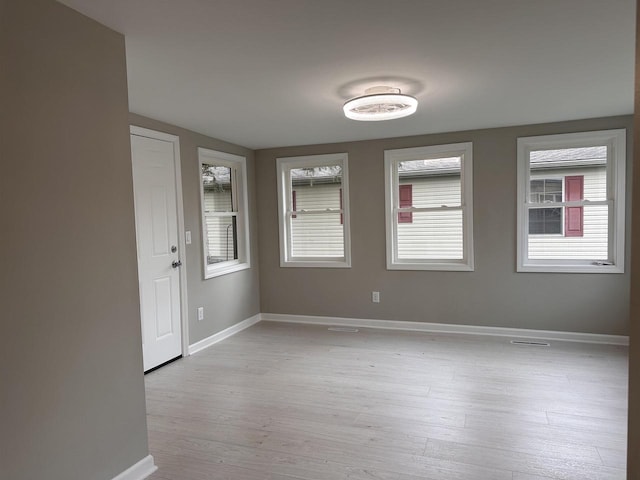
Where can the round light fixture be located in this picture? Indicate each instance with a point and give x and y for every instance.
(380, 103)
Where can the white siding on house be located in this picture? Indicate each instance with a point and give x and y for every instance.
(317, 235)
(433, 235)
(216, 200)
(594, 244)
(439, 234)
(220, 230)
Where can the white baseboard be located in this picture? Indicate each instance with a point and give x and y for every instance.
(139, 471)
(449, 328)
(410, 326)
(226, 333)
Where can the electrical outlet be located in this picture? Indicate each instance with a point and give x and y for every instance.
(200, 313)
(375, 297)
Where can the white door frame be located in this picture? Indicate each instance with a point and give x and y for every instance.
(184, 308)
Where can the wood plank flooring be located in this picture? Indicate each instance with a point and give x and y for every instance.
(296, 402)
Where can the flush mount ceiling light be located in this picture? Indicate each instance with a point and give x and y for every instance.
(380, 103)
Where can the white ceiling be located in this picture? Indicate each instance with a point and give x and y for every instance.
(265, 73)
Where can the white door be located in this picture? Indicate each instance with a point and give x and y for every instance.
(154, 184)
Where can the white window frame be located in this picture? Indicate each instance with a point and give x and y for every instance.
(615, 140)
(391, 160)
(240, 210)
(284, 166)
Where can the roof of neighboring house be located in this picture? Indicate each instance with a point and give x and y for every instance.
(430, 167)
(540, 159)
(569, 157)
(316, 175)
(413, 168)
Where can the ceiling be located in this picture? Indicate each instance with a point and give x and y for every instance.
(266, 73)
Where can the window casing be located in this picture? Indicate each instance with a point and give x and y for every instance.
(429, 207)
(585, 230)
(313, 211)
(224, 205)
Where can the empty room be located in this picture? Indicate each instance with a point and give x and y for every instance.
(319, 240)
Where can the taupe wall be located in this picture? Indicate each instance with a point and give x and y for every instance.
(493, 295)
(633, 451)
(230, 298)
(72, 399)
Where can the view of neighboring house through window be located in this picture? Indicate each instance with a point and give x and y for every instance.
(224, 207)
(429, 207)
(571, 202)
(546, 220)
(313, 211)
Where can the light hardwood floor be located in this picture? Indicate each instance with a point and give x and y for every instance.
(287, 402)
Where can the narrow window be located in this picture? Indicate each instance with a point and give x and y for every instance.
(429, 208)
(225, 227)
(571, 202)
(313, 206)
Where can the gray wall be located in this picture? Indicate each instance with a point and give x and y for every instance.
(230, 298)
(493, 295)
(72, 402)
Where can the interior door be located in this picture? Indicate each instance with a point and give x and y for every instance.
(154, 184)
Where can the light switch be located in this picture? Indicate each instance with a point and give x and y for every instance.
(187, 237)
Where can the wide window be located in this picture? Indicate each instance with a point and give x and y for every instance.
(225, 227)
(313, 206)
(429, 207)
(571, 202)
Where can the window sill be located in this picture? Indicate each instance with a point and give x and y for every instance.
(434, 266)
(224, 270)
(570, 268)
(315, 264)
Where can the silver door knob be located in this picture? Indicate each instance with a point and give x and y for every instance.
(176, 264)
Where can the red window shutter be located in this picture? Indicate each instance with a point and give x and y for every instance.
(294, 206)
(341, 215)
(406, 200)
(574, 216)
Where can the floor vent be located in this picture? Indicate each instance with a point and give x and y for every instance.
(531, 343)
(343, 329)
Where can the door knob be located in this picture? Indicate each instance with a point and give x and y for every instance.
(175, 264)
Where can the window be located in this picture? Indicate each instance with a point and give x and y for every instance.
(225, 223)
(545, 220)
(571, 202)
(313, 207)
(429, 208)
